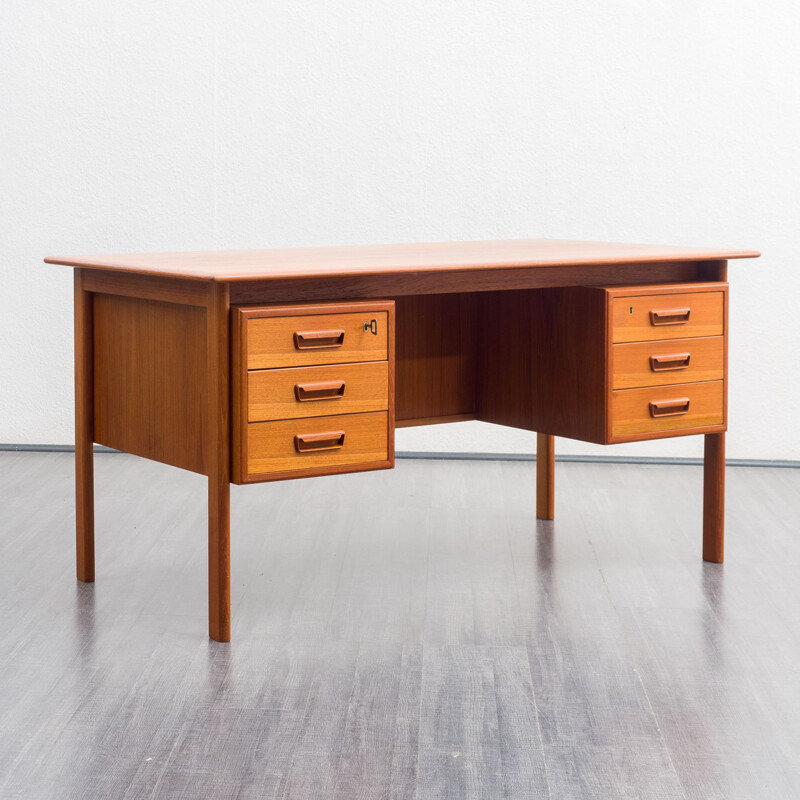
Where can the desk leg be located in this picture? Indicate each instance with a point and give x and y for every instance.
(84, 432)
(218, 451)
(545, 476)
(219, 569)
(714, 498)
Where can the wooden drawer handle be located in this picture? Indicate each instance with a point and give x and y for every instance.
(671, 316)
(314, 442)
(318, 340)
(670, 363)
(669, 408)
(324, 390)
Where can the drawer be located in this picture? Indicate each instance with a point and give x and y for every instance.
(296, 341)
(663, 362)
(667, 316)
(317, 391)
(321, 443)
(666, 408)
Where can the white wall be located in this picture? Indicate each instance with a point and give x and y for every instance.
(191, 125)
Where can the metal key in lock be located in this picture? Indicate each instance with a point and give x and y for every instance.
(372, 326)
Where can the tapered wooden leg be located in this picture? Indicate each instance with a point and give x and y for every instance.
(714, 498)
(545, 476)
(84, 432)
(218, 436)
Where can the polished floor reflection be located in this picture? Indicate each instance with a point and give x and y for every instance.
(405, 634)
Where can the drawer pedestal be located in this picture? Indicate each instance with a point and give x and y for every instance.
(610, 363)
(313, 390)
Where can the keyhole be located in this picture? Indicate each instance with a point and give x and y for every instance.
(630, 309)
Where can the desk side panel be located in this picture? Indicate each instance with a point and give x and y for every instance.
(150, 379)
(543, 357)
(506, 366)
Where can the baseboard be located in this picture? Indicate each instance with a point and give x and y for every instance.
(457, 456)
(50, 448)
(675, 460)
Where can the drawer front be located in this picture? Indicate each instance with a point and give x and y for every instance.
(660, 363)
(676, 407)
(667, 316)
(296, 445)
(317, 391)
(298, 341)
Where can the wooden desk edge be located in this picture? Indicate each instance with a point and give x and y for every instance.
(320, 274)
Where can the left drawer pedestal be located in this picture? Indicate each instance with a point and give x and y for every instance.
(313, 390)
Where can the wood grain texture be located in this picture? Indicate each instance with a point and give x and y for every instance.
(633, 317)
(714, 317)
(272, 340)
(701, 285)
(150, 379)
(631, 412)
(436, 370)
(523, 766)
(714, 498)
(148, 287)
(218, 449)
(506, 362)
(723, 269)
(657, 363)
(242, 265)
(246, 436)
(714, 271)
(405, 747)
(84, 429)
(543, 360)
(317, 750)
(417, 421)
(528, 356)
(547, 364)
(239, 380)
(568, 340)
(638, 673)
(459, 755)
(545, 476)
(365, 767)
(272, 445)
(317, 391)
(401, 284)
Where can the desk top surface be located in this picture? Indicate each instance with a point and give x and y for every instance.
(318, 262)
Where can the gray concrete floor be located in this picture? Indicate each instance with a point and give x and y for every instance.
(405, 634)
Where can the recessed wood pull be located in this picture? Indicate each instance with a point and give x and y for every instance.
(670, 316)
(314, 442)
(323, 390)
(669, 408)
(670, 363)
(318, 340)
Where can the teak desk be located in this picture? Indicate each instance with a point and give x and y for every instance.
(261, 365)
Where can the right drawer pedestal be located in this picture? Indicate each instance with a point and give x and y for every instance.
(608, 364)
